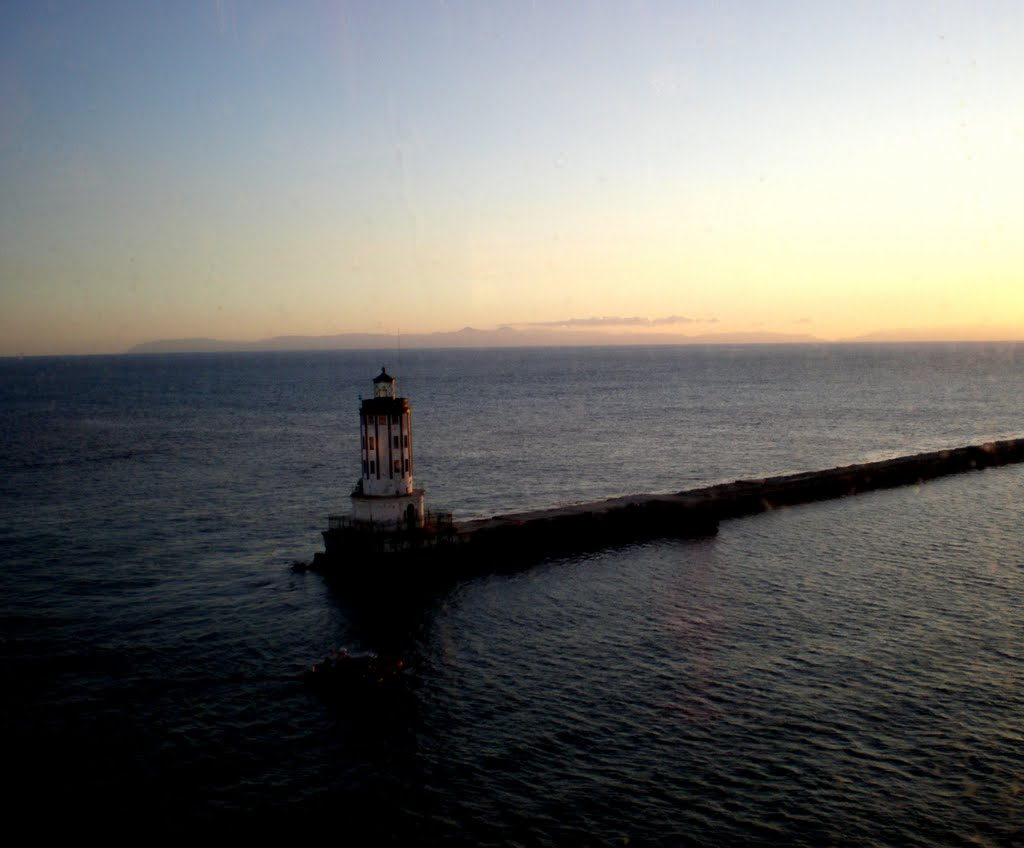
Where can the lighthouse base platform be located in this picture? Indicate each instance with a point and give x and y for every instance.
(391, 511)
(354, 547)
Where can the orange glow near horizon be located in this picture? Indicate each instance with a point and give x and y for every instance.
(754, 174)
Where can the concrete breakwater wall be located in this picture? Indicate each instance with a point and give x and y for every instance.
(465, 547)
(698, 511)
(745, 497)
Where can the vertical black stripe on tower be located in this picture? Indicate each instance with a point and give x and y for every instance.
(376, 443)
(391, 461)
(408, 422)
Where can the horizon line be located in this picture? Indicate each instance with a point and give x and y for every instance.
(587, 344)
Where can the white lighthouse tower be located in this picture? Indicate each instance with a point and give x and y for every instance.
(384, 494)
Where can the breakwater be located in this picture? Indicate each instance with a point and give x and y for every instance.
(475, 545)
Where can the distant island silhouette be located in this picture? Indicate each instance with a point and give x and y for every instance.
(466, 337)
(506, 336)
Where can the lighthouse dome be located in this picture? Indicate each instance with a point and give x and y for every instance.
(383, 384)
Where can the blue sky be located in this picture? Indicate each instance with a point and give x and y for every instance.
(242, 170)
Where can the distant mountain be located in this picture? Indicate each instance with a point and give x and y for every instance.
(466, 337)
(949, 333)
(188, 346)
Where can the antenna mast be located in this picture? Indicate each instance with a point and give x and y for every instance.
(398, 370)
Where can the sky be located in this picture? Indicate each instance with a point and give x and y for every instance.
(241, 170)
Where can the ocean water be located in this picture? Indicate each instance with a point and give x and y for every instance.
(842, 673)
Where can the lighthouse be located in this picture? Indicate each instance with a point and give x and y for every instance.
(384, 494)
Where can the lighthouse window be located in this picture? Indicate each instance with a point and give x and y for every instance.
(398, 465)
(382, 419)
(405, 441)
(370, 442)
(373, 467)
(396, 441)
(407, 466)
(364, 442)
(394, 419)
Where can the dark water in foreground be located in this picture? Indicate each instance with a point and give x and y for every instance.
(842, 673)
